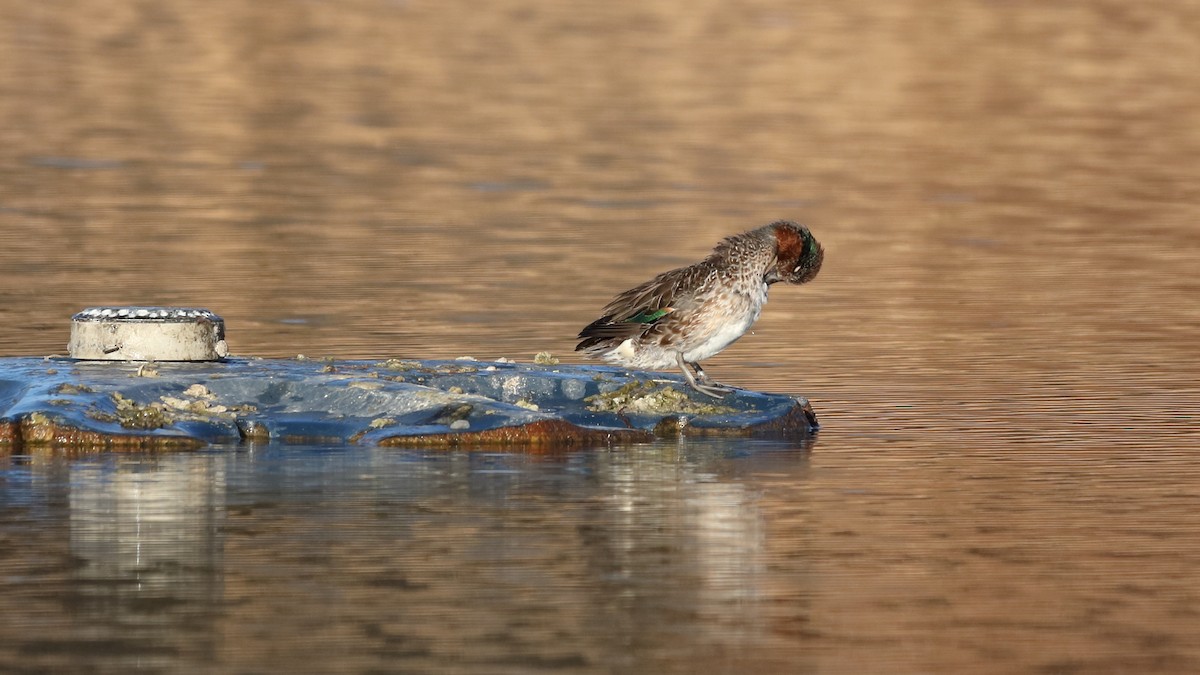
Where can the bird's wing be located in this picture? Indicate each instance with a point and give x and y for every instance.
(637, 310)
(656, 298)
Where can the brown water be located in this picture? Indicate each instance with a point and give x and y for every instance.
(1002, 346)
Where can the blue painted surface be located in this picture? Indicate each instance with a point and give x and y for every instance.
(300, 401)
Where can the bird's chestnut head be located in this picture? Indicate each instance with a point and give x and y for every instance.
(798, 255)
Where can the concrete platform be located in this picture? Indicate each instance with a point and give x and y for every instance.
(97, 406)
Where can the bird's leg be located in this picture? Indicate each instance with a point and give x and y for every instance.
(708, 385)
(699, 380)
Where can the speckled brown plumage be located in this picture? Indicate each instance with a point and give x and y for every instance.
(686, 315)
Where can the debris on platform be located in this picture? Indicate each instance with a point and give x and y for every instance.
(459, 403)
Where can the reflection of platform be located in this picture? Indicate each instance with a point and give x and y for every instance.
(437, 403)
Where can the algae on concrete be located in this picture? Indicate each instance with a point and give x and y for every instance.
(134, 415)
(198, 404)
(393, 402)
(651, 397)
(71, 389)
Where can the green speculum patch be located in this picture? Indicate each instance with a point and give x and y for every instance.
(648, 316)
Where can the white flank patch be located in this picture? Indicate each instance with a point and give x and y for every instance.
(624, 351)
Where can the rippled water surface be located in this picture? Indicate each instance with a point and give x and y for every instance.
(1001, 347)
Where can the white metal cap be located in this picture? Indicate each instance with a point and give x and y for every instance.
(147, 334)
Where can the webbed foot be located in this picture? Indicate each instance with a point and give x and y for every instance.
(698, 379)
(713, 389)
